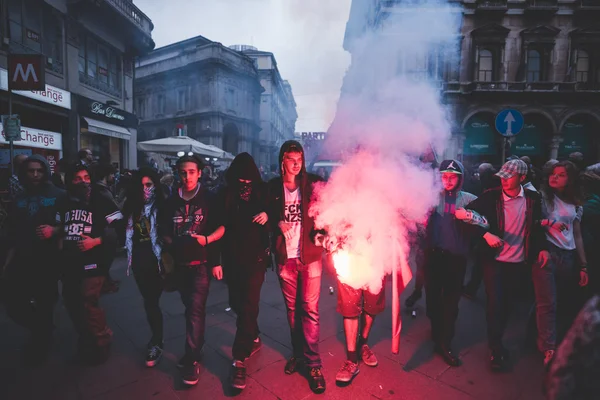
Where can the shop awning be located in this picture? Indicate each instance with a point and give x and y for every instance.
(106, 129)
(175, 144)
(480, 137)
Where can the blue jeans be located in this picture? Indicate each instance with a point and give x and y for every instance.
(192, 284)
(556, 290)
(301, 291)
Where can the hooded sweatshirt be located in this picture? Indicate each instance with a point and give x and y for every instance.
(444, 231)
(245, 243)
(309, 251)
(35, 206)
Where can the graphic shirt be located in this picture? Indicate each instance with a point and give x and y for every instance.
(293, 217)
(77, 219)
(141, 230)
(567, 214)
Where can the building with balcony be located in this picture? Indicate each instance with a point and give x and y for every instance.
(89, 48)
(202, 89)
(541, 57)
(278, 114)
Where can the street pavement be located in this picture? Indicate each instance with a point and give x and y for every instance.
(415, 373)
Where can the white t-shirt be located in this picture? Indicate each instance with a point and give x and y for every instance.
(293, 216)
(513, 250)
(567, 214)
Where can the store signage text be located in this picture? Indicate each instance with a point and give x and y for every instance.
(37, 138)
(108, 112)
(51, 95)
(479, 125)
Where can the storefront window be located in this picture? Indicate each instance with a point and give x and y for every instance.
(103, 64)
(53, 40)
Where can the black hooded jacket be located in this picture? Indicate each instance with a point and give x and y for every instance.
(34, 207)
(309, 252)
(246, 243)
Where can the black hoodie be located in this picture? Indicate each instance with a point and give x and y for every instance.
(35, 206)
(246, 243)
(309, 252)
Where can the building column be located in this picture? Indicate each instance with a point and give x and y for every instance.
(554, 145)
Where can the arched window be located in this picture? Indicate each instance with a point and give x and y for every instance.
(534, 66)
(486, 66)
(583, 66)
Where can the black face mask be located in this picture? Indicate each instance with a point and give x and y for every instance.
(82, 191)
(245, 191)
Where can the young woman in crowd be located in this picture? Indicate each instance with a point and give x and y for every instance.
(557, 284)
(144, 198)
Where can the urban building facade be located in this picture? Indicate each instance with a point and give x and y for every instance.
(541, 57)
(278, 114)
(202, 89)
(89, 48)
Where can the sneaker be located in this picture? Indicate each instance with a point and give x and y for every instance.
(316, 380)
(447, 355)
(238, 375)
(548, 356)
(368, 357)
(413, 298)
(190, 373)
(256, 346)
(348, 371)
(292, 366)
(153, 356)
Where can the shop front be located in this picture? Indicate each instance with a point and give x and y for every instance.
(577, 136)
(33, 141)
(108, 131)
(530, 141)
(481, 141)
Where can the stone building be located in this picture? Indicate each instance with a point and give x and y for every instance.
(277, 106)
(202, 89)
(541, 57)
(89, 48)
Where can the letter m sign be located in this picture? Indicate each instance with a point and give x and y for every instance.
(26, 72)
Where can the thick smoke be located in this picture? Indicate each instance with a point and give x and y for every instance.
(388, 115)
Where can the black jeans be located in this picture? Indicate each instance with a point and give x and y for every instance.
(444, 275)
(193, 283)
(145, 270)
(301, 292)
(477, 270)
(504, 284)
(244, 285)
(81, 298)
(30, 297)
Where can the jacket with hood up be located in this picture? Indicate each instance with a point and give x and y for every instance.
(35, 206)
(444, 231)
(309, 251)
(246, 243)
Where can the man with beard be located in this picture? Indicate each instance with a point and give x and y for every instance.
(89, 221)
(191, 223)
(31, 264)
(298, 259)
(245, 256)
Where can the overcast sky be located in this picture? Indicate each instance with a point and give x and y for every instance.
(306, 37)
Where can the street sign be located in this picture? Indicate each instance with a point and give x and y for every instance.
(26, 72)
(11, 127)
(509, 122)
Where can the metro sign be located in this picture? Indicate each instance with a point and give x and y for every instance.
(26, 72)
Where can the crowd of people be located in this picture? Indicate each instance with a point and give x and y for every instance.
(526, 231)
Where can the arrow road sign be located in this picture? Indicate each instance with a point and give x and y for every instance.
(509, 122)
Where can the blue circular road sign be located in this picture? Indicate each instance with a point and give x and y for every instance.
(509, 122)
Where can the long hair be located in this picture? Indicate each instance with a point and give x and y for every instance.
(571, 193)
(134, 203)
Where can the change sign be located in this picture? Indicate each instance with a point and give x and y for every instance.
(26, 72)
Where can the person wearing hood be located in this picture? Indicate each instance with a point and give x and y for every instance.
(144, 199)
(449, 229)
(30, 267)
(298, 259)
(245, 255)
(89, 221)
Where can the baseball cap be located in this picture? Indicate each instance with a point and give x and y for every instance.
(512, 168)
(450, 166)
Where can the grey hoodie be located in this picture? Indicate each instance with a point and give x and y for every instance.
(34, 207)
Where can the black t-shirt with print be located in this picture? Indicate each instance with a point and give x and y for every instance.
(98, 218)
(141, 230)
